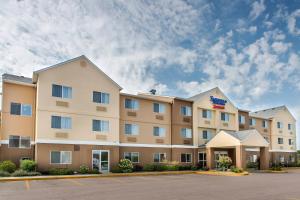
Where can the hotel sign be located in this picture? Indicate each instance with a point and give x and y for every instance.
(218, 103)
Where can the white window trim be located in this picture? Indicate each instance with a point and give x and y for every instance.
(132, 134)
(131, 156)
(60, 163)
(201, 152)
(185, 157)
(161, 136)
(183, 113)
(20, 138)
(159, 157)
(159, 105)
(100, 131)
(185, 135)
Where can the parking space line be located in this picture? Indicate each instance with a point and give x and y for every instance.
(27, 185)
(75, 182)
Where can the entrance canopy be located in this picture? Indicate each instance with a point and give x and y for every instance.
(250, 138)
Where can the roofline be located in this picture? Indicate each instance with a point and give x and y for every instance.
(271, 118)
(72, 60)
(19, 83)
(244, 110)
(143, 97)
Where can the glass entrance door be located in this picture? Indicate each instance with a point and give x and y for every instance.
(101, 160)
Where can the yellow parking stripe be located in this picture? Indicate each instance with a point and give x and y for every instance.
(75, 182)
(27, 185)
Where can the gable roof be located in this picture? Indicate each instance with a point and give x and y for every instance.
(202, 94)
(233, 138)
(21, 80)
(270, 112)
(35, 73)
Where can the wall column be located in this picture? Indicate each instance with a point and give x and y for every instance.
(264, 158)
(210, 158)
(240, 159)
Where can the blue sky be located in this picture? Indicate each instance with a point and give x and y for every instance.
(250, 49)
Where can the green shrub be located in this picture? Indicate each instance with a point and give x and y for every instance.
(276, 168)
(159, 168)
(4, 174)
(148, 168)
(194, 168)
(173, 167)
(116, 169)
(236, 169)
(253, 165)
(137, 168)
(224, 162)
(21, 172)
(94, 171)
(28, 165)
(8, 166)
(125, 165)
(83, 169)
(184, 167)
(61, 171)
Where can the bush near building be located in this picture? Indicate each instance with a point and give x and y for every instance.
(7, 166)
(28, 165)
(125, 166)
(224, 162)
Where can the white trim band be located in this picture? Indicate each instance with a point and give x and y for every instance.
(252, 149)
(282, 151)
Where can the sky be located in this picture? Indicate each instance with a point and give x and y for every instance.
(250, 49)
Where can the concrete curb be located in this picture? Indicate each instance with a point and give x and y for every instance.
(29, 178)
(219, 173)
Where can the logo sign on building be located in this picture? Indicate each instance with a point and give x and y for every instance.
(218, 103)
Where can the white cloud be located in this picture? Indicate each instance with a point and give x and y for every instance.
(281, 47)
(293, 29)
(251, 29)
(257, 8)
(129, 41)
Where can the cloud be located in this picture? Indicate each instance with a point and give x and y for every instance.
(281, 47)
(251, 29)
(293, 29)
(257, 8)
(129, 41)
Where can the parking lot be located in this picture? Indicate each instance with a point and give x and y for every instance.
(192, 186)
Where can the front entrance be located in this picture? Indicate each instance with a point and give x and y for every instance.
(218, 154)
(101, 160)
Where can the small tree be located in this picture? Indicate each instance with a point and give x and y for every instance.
(125, 166)
(224, 162)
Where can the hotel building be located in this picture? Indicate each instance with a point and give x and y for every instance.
(73, 114)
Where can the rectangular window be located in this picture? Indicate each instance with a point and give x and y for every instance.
(100, 97)
(264, 124)
(60, 157)
(159, 131)
(59, 122)
(61, 91)
(159, 157)
(252, 122)
(132, 104)
(242, 119)
(20, 109)
(290, 126)
(186, 110)
(18, 142)
(131, 129)
(279, 125)
(206, 114)
(291, 142)
(280, 140)
(132, 156)
(224, 117)
(186, 133)
(186, 158)
(158, 108)
(206, 134)
(202, 159)
(100, 125)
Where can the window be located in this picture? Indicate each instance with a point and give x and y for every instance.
(281, 158)
(60, 157)
(159, 131)
(131, 129)
(18, 142)
(186, 133)
(186, 158)
(131, 104)
(242, 119)
(100, 97)
(59, 122)
(186, 110)
(159, 157)
(206, 114)
(20, 109)
(280, 140)
(264, 124)
(61, 91)
(291, 142)
(132, 156)
(158, 108)
(206, 134)
(100, 125)
(279, 125)
(202, 159)
(252, 122)
(290, 126)
(224, 117)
